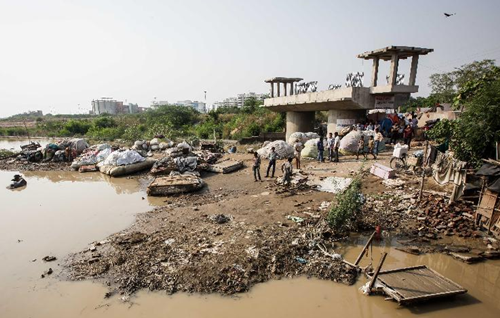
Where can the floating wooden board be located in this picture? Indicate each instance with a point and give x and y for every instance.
(418, 283)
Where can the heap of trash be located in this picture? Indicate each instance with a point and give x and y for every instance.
(63, 150)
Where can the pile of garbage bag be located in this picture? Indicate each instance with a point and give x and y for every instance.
(302, 137)
(283, 149)
(92, 156)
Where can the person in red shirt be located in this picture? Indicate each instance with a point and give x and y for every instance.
(407, 135)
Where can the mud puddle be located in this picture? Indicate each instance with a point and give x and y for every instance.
(61, 212)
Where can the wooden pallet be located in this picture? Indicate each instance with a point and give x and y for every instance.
(417, 283)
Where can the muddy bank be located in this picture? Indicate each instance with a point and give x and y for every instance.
(12, 165)
(238, 233)
(189, 248)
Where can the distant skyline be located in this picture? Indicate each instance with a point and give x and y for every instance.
(57, 56)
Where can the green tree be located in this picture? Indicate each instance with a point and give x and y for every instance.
(445, 86)
(474, 134)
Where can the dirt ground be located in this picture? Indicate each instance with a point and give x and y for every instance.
(237, 232)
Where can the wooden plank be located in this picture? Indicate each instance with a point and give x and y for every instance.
(417, 283)
(377, 271)
(360, 256)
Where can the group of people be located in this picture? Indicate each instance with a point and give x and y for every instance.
(286, 167)
(332, 144)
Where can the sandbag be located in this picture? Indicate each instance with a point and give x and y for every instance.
(116, 171)
(283, 149)
(120, 158)
(349, 144)
(311, 149)
(302, 137)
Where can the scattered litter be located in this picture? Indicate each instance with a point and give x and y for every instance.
(220, 218)
(301, 260)
(49, 258)
(333, 184)
(295, 219)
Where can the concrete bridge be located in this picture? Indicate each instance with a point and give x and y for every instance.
(346, 105)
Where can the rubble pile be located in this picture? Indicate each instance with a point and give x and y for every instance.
(389, 211)
(212, 254)
(435, 217)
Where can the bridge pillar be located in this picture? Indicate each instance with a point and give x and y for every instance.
(299, 122)
(338, 119)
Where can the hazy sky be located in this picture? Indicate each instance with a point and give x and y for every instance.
(59, 55)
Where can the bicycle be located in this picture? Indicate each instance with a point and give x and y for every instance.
(399, 163)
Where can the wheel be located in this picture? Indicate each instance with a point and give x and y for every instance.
(398, 164)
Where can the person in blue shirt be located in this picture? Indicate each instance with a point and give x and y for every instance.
(321, 149)
(272, 162)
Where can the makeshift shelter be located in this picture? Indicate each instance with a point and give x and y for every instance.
(488, 209)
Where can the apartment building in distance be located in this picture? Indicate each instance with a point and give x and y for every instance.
(108, 105)
(239, 100)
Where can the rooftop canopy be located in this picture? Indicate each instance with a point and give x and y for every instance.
(284, 80)
(402, 52)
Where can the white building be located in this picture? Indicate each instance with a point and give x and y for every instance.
(239, 100)
(106, 105)
(199, 106)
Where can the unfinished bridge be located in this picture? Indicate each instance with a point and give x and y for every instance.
(345, 105)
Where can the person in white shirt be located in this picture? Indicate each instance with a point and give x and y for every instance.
(336, 145)
(329, 146)
(297, 147)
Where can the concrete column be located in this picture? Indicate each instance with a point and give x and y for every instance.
(278, 89)
(272, 90)
(413, 70)
(299, 121)
(338, 119)
(284, 87)
(393, 73)
(375, 71)
(291, 88)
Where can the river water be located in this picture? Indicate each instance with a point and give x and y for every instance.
(62, 212)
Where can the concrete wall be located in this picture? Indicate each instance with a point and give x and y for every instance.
(299, 121)
(338, 119)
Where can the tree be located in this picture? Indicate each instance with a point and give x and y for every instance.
(474, 134)
(445, 86)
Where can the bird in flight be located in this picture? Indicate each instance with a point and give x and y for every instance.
(448, 14)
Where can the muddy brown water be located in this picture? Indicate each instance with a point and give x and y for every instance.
(16, 143)
(62, 212)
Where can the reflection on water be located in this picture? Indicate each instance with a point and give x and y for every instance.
(16, 143)
(61, 212)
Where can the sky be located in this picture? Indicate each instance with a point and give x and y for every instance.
(57, 56)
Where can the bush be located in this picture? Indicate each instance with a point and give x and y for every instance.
(347, 205)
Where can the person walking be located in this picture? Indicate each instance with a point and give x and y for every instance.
(377, 140)
(371, 147)
(407, 135)
(297, 148)
(272, 162)
(361, 148)
(287, 169)
(256, 167)
(321, 149)
(336, 145)
(329, 146)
